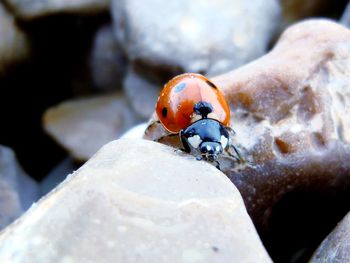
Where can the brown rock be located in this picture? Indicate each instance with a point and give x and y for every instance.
(336, 247)
(27, 10)
(290, 111)
(14, 43)
(82, 126)
(294, 10)
(137, 201)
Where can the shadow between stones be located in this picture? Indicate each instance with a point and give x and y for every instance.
(300, 221)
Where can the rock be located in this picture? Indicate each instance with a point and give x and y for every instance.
(14, 43)
(26, 10)
(107, 61)
(195, 36)
(294, 10)
(148, 204)
(82, 126)
(345, 19)
(142, 94)
(57, 175)
(17, 190)
(336, 247)
(290, 113)
(136, 132)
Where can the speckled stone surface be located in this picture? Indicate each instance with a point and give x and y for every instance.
(336, 247)
(137, 201)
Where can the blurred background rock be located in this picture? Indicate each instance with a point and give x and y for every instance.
(77, 74)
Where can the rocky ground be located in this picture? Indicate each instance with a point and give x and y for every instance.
(87, 184)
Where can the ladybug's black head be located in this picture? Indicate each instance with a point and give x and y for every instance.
(206, 138)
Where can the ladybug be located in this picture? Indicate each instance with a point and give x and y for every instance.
(193, 107)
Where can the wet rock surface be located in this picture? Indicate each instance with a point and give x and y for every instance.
(107, 61)
(17, 190)
(289, 111)
(82, 126)
(336, 247)
(14, 42)
(160, 207)
(31, 9)
(191, 36)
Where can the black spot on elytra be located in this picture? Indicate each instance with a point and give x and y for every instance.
(211, 84)
(203, 108)
(215, 249)
(180, 87)
(164, 112)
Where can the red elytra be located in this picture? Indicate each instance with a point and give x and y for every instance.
(175, 106)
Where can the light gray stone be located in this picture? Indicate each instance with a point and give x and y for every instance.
(17, 190)
(107, 61)
(336, 247)
(83, 125)
(137, 201)
(141, 93)
(196, 36)
(30, 9)
(14, 43)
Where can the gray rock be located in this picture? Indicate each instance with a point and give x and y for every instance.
(345, 19)
(14, 43)
(17, 190)
(141, 93)
(57, 175)
(107, 61)
(195, 36)
(336, 247)
(137, 201)
(82, 126)
(30, 9)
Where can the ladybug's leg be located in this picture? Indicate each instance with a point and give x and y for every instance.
(150, 126)
(217, 165)
(159, 139)
(232, 131)
(238, 156)
(184, 143)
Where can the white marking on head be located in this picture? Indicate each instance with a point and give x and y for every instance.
(223, 141)
(195, 141)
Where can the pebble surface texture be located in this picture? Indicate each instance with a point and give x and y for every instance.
(336, 247)
(190, 35)
(17, 190)
(83, 126)
(14, 43)
(117, 210)
(290, 112)
(30, 9)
